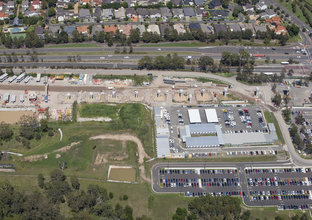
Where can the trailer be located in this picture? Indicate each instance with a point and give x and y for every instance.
(38, 78)
(13, 99)
(21, 97)
(28, 78)
(20, 78)
(45, 79)
(7, 97)
(285, 63)
(3, 77)
(12, 79)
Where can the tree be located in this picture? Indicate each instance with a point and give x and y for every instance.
(293, 130)
(75, 182)
(28, 127)
(51, 12)
(277, 100)
(6, 132)
(225, 3)
(205, 61)
(41, 181)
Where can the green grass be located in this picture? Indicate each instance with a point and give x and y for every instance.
(176, 44)
(72, 45)
(138, 80)
(97, 110)
(205, 79)
(270, 213)
(270, 118)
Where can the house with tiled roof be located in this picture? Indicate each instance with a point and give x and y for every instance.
(3, 16)
(110, 28)
(280, 30)
(179, 28)
(83, 29)
(120, 13)
(125, 29)
(36, 4)
(85, 2)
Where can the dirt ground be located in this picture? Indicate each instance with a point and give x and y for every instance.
(127, 137)
(37, 157)
(122, 174)
(12, 117)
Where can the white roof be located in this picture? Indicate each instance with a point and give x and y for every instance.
(194, 116)
(211, 115)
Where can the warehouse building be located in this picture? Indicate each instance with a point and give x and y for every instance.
(211, 115)
(194, 116)
(162, 133)
(202, 142)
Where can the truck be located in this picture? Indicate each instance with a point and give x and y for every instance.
(38, 78)
(7, 97)
(20, 78)
(284, 63)
(13, 99)
(3, 77)
(12, 79)
(21, 97)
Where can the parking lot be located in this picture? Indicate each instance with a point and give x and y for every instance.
(287, 188)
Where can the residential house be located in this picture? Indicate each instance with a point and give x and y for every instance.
(206, 28)
(261, 6)
(177, 2)
(280, 30)
(35, 5)
(85, 2)
(179, 28)
(96, 29)
(69, 30)
(189, 12)
(96, 3)
(31, 13)
(260, 28)
(54, 30)
(97, 14)
(248, 7)
(141, 28)
(120, 13)
(214, 4)
(153, 28)
(163, 28)
(154, 13)
(107, 13)
(83, 29)
(165, 13)
(1, 6)
(61, 4)
(247, 26)
(194, 27)
(84, 14)
(188, 2)
(130, 12)
(3, 16)
(16, 22)
(142, 13)
(219, 14)
(234, 27)
(200, 12)
(219, 28)
(268, 14)
(110, 29)
(39, 31)
(60, 15)
(25, 4)
(178, 13)
(125, 29)
(10, 5)
(199, 2)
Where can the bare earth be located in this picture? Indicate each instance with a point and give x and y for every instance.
(127, 137)
(37, 157)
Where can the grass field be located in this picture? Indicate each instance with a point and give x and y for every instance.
(204, 79)
(270, 118)
(138, 80)
(122, 174)
(97, 110)
(72, 45)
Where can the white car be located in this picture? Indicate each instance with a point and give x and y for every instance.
(126, 57)
(159, 49)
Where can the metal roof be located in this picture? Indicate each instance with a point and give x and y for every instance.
(202, 128)
(162, 146)
(202, 142)
(252, 138)
(194, 116)
(211, 115)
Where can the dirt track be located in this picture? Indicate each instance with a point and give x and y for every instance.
(127, 137)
